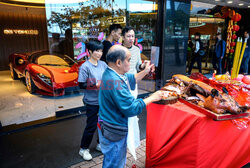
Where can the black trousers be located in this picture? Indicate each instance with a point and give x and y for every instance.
(92, 118)
(214, 60)
(196, 58)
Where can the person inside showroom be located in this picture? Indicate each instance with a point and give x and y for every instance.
(115, 31)
(117, 104)
(246, 56)
(90, 75)
(196, 56)
(220, 50)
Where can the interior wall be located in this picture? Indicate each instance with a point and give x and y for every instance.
(22, 19)
(206, 29)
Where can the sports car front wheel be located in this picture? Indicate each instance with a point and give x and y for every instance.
(29, 83)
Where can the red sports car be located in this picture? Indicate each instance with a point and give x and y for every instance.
(44, 72)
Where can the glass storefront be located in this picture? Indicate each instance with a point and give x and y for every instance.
(44, 45)
(202, 20)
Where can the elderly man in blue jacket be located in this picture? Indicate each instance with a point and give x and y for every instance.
(220, 49)
(117, 104)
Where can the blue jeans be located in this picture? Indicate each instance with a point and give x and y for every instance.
(219, 66)
(114, 152)
(245, 61)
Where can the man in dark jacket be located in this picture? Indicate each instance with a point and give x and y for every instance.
(246, 57)
(66, 45)
(115, 31)
(220, 49)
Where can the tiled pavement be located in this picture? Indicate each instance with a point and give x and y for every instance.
(97, 161)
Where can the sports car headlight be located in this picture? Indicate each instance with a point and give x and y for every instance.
(45, 78)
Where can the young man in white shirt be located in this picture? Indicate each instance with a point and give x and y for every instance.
(196, 57)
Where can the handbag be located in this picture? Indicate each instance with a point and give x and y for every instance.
(112, 132)
(201, 52)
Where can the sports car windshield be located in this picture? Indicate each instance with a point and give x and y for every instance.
(53, 60)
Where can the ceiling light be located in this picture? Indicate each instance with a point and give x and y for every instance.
(217, 0)
(50, 1)
(30, 1)
(248, 6)
(229, 2)
(241, 4)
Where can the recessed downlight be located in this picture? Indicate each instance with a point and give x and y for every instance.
(229, 2)
(241, 4)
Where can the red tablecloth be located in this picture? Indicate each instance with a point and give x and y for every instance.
(178, 136)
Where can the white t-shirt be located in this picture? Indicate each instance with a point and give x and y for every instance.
(197, 46)
(135, 61)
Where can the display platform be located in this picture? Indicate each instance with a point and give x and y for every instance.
(18, 106)
(179, 136)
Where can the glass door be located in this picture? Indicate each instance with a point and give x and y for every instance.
(142, 16)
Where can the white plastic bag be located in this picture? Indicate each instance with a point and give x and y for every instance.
(133, 139)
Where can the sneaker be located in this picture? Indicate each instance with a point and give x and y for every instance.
(85, 154)
(98, 148)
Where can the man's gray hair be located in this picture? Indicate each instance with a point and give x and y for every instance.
(115, 54)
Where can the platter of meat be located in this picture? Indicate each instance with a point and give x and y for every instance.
(213, 115)
(168, 98)
(219, 105)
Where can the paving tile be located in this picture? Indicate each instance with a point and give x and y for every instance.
(131, 159)
(128, 154)
(143, 149)
(138, 155)
(74, 166)
(141, 152)
(84, 166)
(142, 159)
(88, 164)
(143, 143)
(129, 163)
(77, 165)
(98, 160)
(139, 164)
(97, 166)
(101, 156)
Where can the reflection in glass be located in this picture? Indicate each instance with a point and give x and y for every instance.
(176, 37)
(142, 17)
(86, 19)
(53, 60)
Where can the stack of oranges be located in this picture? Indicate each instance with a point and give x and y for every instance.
(222, 77)
(225, 78)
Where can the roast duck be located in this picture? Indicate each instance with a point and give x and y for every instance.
(204, 95)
